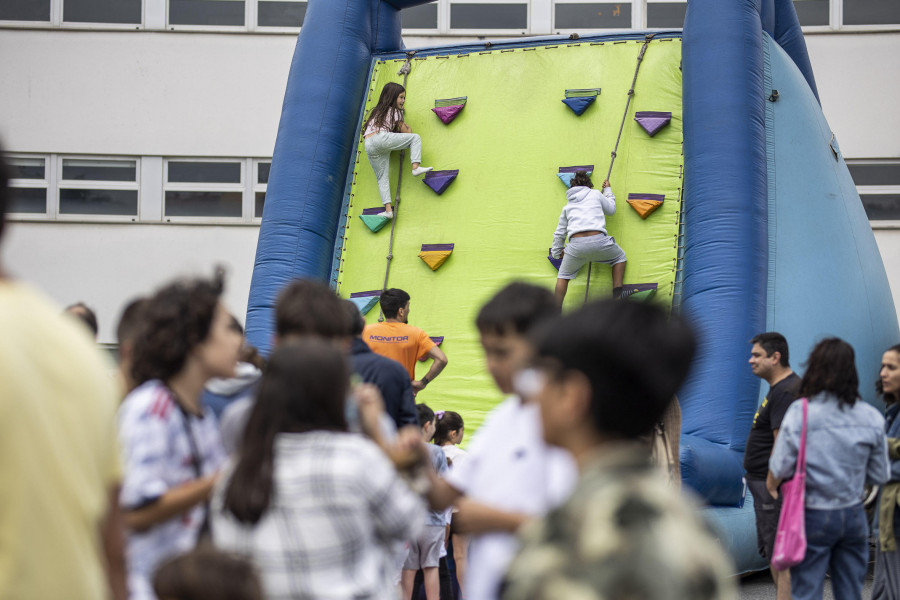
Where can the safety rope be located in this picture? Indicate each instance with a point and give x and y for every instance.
(404, 70)
(647, 39)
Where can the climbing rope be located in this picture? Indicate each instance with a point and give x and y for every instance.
(404, 70)
(647, 39)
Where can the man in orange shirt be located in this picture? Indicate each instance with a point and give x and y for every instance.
(396, 339)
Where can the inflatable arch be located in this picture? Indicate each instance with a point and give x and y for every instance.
(735, 204)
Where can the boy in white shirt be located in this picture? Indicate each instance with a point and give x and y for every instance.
(511, 476)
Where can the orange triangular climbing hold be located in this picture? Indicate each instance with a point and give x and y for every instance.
(644, 204)
(435, 255)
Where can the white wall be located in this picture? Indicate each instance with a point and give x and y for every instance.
(107, 265)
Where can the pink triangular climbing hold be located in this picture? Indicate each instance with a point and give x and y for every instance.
(449, 108)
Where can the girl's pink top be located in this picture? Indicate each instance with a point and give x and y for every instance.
(393, 117)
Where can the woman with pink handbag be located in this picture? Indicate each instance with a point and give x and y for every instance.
(845, 448)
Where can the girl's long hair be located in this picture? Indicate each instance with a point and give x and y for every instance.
(445, 422)
(889, 398)
(386, 102)
(831, 367)
(303, 389)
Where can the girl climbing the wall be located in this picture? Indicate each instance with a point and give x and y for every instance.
(583, 220)
(384, 132)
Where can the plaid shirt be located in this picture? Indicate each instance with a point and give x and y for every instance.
(336, 508)
(157, 457)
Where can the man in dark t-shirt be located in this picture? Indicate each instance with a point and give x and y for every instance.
(769, 361)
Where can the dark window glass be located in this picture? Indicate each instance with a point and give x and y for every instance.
(206, 12)
(882, 207)
(99, 170)
(26, 168)
(666, 14)
(593, 16)
(98, 202)
(28, 200)
(204, 172)
(260, 203)
(888, 174)
(203, 204)
(102, 11)
(262, 175)
(420, 17)
(281, 14)
(25, 10)
(489, 16)
(871, 12)
(812, 12)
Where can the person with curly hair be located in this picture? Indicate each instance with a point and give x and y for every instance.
(171, 446)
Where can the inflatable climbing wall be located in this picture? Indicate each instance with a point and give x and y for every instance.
(502, 164)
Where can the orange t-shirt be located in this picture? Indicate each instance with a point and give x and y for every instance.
(404, 343)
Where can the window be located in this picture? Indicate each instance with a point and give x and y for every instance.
(666, 15)
(871, 12)
(812, 12)
(592, 15)
(28, 185)
(878, 183)
(421, 17)
(102, 11)
(204, 188)
(25, 10)
(280, 13)
(207, 12)
(259, 188)
(98, 187)
(488, 16)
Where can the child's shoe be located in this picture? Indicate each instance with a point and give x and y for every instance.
(420, 171)
(385, 214)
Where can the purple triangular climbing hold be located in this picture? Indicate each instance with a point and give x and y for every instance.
(567, 173)
(579, 104)
(440, 180)
(448, 113)
(438, 340)
(652, 121)
(556, 262)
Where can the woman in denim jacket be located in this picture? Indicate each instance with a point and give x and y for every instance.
(845, 450)
(887, 521)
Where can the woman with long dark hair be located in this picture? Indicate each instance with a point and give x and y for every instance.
(887, 521)
(845, 450)
(314, 506)
(170, 441)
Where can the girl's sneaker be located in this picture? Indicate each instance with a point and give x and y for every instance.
(420, 171)
(385, 214)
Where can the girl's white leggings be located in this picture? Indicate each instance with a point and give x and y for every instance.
(379, 148)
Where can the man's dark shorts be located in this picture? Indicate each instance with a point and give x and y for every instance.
(767, 510)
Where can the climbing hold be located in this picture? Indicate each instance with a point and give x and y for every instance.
(448, 109)
(438, 340)
(370, 216)
(440, 180)
(435, 255)
(579, 100)
(567, 173)
(652, 121)
(364, 301)
(644, 204)
(639, 291)
(556, 262)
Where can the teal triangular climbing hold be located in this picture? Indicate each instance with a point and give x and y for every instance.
(372, 220)
(639, 292)
(579, 100)
(567, 173)
(364, 301)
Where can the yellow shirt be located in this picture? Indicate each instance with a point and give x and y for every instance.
(404, 343)
(58, 453)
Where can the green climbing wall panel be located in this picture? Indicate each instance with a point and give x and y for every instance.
(509, 142)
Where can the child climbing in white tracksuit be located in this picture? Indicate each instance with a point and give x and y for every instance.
(583, 220)
(384, 132)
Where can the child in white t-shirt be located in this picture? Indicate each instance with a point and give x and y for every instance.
(448, 434)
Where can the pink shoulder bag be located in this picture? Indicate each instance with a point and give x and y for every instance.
(790, 539)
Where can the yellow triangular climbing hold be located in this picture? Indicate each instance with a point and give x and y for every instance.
(435, 255)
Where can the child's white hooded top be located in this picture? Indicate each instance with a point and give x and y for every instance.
(586, 210)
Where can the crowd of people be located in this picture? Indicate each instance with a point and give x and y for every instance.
(206, 471)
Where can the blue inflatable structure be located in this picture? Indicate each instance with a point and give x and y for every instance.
(775, 236)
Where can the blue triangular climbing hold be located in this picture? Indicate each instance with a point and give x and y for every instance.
(440, 180)
(364, 301)
(579, 104)
(652, 121)
(556, 262)
(374, 222)
(567, 173)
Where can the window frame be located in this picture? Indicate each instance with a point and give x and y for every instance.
(242, 188)
(45, 184)
(876, 190)
(249, 20)
(257, 187)
(638, 16)
(75, 184)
